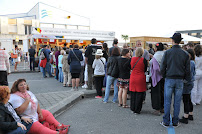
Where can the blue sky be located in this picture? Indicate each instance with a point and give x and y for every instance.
(131, 17)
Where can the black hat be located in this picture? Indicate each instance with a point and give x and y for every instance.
(176, 37)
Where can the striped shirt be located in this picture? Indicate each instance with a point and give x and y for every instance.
(4, 61)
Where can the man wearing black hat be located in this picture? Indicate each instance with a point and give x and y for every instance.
(175, 67)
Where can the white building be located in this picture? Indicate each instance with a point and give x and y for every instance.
(45, 24)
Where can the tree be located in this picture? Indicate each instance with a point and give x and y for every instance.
(125, 37)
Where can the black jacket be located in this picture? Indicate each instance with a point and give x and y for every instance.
(32, 52)
(112, 66)
(175, 64)
(7, 123)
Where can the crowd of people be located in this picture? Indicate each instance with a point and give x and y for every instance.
(170, 71)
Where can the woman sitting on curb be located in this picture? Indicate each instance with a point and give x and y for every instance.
(10, 122)
(26, 104)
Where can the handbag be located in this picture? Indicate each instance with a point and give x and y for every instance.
(14, 56)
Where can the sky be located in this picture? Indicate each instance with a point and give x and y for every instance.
(127, 17)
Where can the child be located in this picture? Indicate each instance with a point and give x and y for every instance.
(188, 85)
(99, 72)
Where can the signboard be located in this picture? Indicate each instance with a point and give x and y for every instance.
(76, 33)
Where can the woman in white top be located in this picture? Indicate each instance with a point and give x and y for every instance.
(196, 93)
(15, 51)
(26, 104)
(99, 72)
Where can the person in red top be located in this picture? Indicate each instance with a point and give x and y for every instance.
(137, 84)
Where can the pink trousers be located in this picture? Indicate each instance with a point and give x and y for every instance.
(38, 128)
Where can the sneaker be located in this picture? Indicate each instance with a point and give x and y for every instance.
(176, 125)
(190, 117)
(98, 97)
(64, 131)
(164, 125)
(73, 89)
(84, 86)
(104, 101)
(63, 127)
(157, 113)
(113, 101)
(184, 120)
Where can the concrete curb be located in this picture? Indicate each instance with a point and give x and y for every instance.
(67, 103)
(16, 72)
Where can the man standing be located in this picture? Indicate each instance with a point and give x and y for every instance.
(115, 44)
(4, 67)
(175, 67)
(146, 53)
(89, 58)
(32, 53)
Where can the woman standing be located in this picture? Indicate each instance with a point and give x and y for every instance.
(62, 52)
(157, 84)
(99, 72)
(57, 53)
(26, 104)
(74, 58)
(196, 94)
(105, 55)
(113, 73)
(66, 72)
(124, 77)
(188, 86)
(16, 60)
(137, 84)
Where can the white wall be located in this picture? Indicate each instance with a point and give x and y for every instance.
(49, 14)
(34, 11)
(4, 25)
(7, 44)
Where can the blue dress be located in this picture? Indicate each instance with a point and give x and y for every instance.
(74, 58)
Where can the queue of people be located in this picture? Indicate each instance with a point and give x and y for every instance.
(173, 71)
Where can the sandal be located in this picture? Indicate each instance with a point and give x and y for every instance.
(120, 105)
(126, 106)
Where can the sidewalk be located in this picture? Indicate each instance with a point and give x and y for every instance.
(22, 68)
(58, 102)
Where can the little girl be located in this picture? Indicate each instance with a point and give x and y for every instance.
(188, 86)
(99, 72)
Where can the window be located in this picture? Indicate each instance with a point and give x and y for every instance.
(30, 29)
(193, 34)
(26, 30)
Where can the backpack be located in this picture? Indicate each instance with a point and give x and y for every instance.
(42, 56)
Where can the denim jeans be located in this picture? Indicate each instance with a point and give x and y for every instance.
(110, 80)
(47, 68)
(172, 86)
(60, 75)
(31, 63)
(19, 130)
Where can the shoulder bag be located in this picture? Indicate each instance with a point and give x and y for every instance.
(75, 55)
(136, 63)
